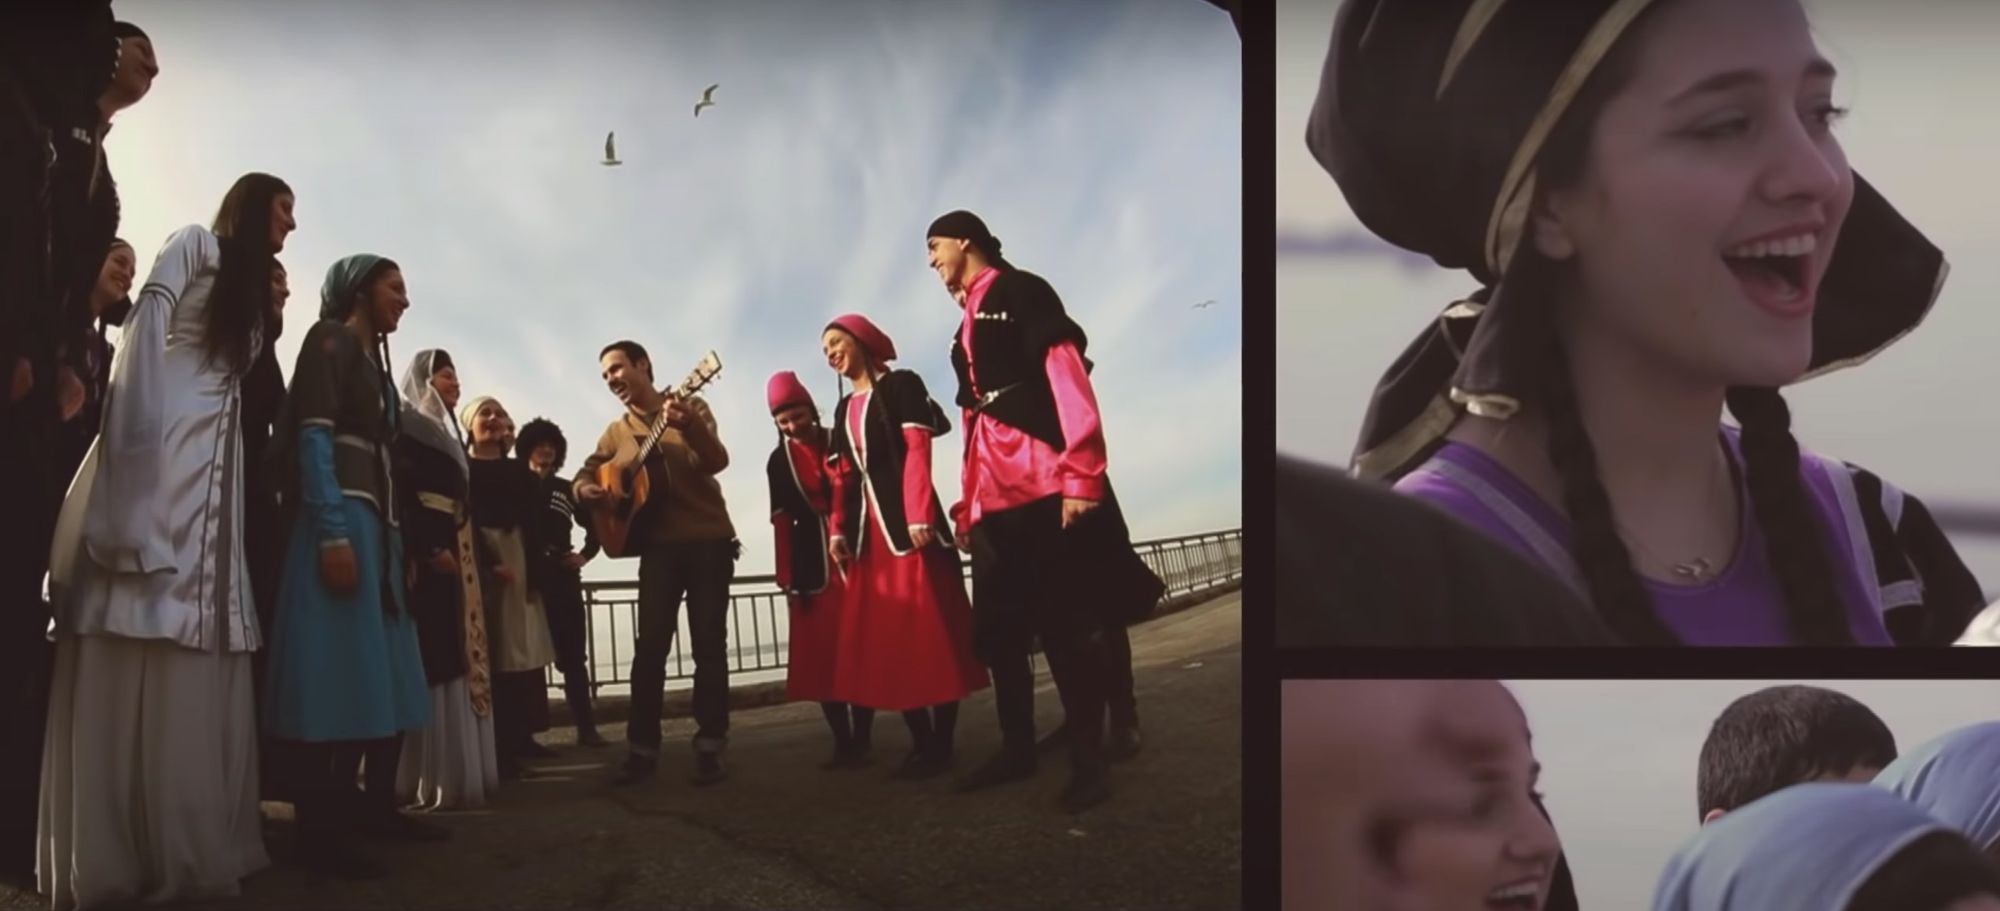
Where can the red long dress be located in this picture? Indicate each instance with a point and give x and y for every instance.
(906, 628)
(815, 616)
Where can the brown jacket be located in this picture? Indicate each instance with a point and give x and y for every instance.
(690, 508)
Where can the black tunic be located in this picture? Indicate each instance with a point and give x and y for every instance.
(434, 491)
(1031, 576)
(560, 586)
(804, 523)
(1019, 320)
(899, 400)
(504, 496)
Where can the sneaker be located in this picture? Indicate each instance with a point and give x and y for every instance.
(707, 769)
(636, 769)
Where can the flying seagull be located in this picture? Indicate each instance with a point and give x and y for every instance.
(707, 99)
(610, 151)
(1204, 305)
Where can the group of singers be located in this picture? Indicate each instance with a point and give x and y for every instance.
(361, 581)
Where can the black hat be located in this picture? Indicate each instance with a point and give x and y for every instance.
(962, 225)
(124, 30)
(1431, 116)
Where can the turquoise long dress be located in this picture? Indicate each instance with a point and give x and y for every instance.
(343, 667)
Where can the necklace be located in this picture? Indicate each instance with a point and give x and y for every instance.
(1694, 570)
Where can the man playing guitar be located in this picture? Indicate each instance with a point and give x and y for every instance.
(686, 546)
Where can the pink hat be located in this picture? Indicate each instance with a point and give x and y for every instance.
(871, 338)
(785, 390)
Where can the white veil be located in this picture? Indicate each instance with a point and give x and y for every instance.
(425, 416)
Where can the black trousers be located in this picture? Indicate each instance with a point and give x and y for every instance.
(29, 498)
(700, 573)
(1021, 585)
(562, 599)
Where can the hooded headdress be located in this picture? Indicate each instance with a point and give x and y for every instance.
(1431, 117)
(425, 415)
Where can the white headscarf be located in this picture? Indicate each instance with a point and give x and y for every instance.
(426, 418)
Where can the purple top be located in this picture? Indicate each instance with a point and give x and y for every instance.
(1742, 605)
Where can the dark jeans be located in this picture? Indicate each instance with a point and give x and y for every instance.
(701, 572)
(1006, 588)
(29, 498)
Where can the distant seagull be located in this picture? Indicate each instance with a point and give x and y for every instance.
(610, 151)
(1204, 305)
(707, 99)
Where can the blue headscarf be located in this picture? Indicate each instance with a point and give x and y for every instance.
(1810, 845)
(1955, 778)
(343, 282)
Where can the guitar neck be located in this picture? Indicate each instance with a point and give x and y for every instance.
(688, 387)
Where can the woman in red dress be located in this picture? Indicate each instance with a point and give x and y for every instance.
(801, 503)
(906, 626)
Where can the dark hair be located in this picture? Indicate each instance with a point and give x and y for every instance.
(1794, 539)
(634, 351)
(1785, 735)
(1928, 874)
(242, 296)
(533, 434)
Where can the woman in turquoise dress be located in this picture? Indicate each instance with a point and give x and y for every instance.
(347, 678)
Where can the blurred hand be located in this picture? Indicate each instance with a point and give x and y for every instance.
(1074, 509)
(444, 561)
(921, 536)
(69, 393)
(23, 381)
(589, 492)
(338, 570)
(840, 552)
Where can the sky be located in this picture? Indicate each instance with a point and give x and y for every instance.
(1916, 77)
(1619, 759)
(1100, 142)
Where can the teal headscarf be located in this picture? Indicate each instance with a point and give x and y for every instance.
(1809, 846)
(343, 281)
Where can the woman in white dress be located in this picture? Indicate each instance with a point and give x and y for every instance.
(149, 775)
(451, 764)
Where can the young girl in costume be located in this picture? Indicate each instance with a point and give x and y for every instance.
(1654, 242)
(906, 624)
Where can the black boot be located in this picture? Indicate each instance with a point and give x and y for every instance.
(326, 839)
(1088, 786)
(1123, 744)
(1009, 765)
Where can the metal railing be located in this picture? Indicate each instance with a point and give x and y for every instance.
(1194, 567)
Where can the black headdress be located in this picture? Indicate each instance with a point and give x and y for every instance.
(1431, 116)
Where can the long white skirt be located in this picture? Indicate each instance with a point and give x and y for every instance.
(449, 764)
(149, 775)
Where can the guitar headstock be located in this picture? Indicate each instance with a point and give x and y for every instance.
(703, 373)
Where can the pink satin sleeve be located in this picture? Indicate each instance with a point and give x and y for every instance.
(961, 512)
(917, 495)
(1082, 466)
(838, 476)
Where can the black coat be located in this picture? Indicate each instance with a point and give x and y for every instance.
(1019, 320)
(899, 400)
(434, 492)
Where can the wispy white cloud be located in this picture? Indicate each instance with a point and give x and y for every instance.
(1099, 140)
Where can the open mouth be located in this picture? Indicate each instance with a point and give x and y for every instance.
(1521, 896)
(1773, 271)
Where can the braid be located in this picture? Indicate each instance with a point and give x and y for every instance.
(1792, 534)
(1600, 554)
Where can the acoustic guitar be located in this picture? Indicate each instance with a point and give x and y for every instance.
(629, 485)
